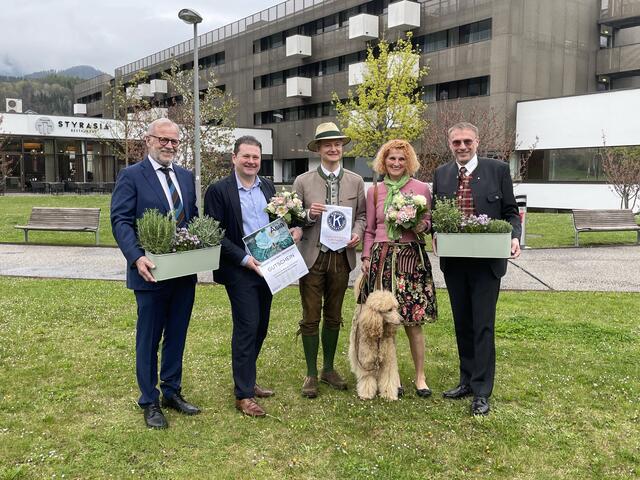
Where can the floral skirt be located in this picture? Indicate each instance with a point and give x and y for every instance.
(404, 268)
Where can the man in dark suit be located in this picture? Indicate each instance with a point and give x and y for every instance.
(480, 186)
(238, 202)
(164, 308)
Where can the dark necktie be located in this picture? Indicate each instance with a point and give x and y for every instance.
(178, 208)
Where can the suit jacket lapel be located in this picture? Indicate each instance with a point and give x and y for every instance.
(151, 176)
(234, 199)
(450, 185)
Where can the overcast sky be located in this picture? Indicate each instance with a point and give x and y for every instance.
(56, 34)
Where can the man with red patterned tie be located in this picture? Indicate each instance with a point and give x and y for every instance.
(480, 186)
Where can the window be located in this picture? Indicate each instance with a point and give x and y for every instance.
(463, 34)
(470, 87)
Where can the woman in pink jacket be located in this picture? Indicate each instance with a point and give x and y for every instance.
(401, 265)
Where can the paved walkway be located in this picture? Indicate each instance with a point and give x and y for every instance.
(572, 269)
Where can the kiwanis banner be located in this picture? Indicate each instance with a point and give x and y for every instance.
(335, 231)
(280, 261)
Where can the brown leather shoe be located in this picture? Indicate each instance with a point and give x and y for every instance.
(263, 392)
(249, 407)
(334, 379)
(310, 387)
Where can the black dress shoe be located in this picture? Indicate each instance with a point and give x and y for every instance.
(177, 402)
(154, 418)
(460, 391)
(480, 406)
(423, 392)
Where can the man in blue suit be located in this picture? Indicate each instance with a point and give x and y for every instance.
(164, 308)
(238, 202)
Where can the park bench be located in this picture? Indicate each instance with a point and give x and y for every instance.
(63, 219)
(604, 221)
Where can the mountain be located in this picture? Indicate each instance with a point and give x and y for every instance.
(49, 95)
(79, 71)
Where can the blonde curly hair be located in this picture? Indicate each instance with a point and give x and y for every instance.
(412, 165)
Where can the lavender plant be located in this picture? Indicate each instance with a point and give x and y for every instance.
(156, 231)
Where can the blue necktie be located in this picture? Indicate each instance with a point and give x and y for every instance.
(178, 208)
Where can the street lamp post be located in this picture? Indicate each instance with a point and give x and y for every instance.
(192, 17)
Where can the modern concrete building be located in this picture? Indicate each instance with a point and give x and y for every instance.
(283, 63)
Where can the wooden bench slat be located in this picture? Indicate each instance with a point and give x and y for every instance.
(604, 221)
(63, 219)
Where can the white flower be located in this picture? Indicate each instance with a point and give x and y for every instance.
(281, 211)
(420, 200)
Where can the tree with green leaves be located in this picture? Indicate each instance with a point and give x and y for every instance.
(217, 118)
(388, 103)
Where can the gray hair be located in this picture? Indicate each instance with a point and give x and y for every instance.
(159, 122)
(463, 126)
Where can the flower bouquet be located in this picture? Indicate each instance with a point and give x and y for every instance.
(469, 236)
(405, 212)
(288, 206)
(182, 251)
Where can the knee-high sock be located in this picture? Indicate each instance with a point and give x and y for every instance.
(310, 344)
(329, 345)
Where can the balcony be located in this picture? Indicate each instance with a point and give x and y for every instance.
(79, 108)
(356, 73)
(298, 87)
(403, 15)
(363, 27)
(298, 46)
(621, 13)
(618, 60)
(158, 86)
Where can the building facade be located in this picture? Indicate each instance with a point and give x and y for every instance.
(50, 153)
(284, 63)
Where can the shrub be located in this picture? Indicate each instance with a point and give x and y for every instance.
(156, 231)
(207, 230)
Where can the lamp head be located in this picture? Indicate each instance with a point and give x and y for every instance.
(189, 16)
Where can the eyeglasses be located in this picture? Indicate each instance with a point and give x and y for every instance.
(164, 141)
(467, 142)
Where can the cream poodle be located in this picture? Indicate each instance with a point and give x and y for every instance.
(372, 345)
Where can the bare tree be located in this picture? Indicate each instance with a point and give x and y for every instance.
(620, 167)
(6, 164)
(217, 112)
(496, 139)
(131, 110)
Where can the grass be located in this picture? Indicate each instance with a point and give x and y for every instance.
(15, 210)
(548, 230)
(565, 404)
(544, 230)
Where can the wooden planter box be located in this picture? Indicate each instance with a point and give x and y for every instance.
(179, 264)
(476, 245)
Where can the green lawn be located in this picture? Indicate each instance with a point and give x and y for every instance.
(544, 230)
(15, 210)
(565, 404)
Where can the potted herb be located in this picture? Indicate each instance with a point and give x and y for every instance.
(183, 251)
(458, 235)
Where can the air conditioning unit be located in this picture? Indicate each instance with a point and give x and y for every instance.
(13, 105)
